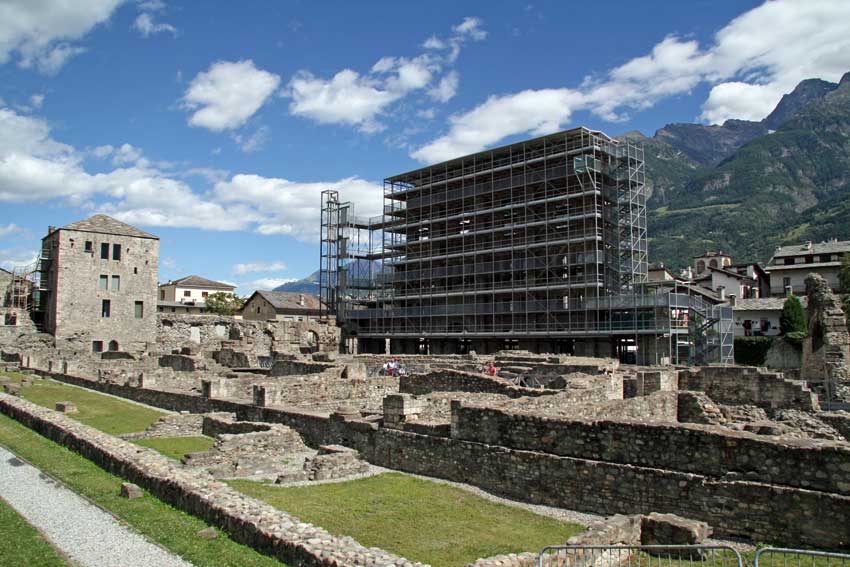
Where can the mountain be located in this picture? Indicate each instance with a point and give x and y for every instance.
(709, 145)
(310, 284)
(788, 184)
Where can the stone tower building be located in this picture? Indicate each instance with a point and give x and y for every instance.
(99, 286)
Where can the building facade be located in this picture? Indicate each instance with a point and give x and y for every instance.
(192, 289)
(539, 245)
(790, 265)
(98, 286)
(281, 306)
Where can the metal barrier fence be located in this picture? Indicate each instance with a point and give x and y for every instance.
(639, 556)
(781, 557)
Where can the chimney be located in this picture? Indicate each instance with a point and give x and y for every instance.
(301, 299)
(51, 229)
(721, 291)
(788, 291)
(808, 244)
(733, 301)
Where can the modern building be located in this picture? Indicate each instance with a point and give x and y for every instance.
(790, 265)
(538, 245)
(97, 286)
(281, 306)
(193, 290)
(759, 316)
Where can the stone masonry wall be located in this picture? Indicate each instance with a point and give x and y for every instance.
(452, 380)
(701, 449)
(738, 385)
(731, 504)
(246, 519)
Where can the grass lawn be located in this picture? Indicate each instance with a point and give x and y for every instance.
(106, 413)
(159, 522)
(22, 544)
(176, 447)
(418, 519)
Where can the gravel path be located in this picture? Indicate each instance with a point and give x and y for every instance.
(82, 531)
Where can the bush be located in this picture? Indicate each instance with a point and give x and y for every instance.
(793, 318)
(752, 351)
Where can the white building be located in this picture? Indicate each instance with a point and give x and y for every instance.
(192, 290)
(791, 264)
(759, 316)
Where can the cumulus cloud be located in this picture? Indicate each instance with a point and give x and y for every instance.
(34, 167)
(41, 34)
(9, 230)
(263, 267)
(266, 284)
(226, 95)
(146, 24)
(749, 65)
(359, 99)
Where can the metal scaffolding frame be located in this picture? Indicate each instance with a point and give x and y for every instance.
(542, 238)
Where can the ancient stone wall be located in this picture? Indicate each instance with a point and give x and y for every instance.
(826, 351)
(748, 385)
(456, 381)
(700, 449)
(733, 503)
(247, 520)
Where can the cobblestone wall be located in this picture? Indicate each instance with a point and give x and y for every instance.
(748, 385)
(246, 519)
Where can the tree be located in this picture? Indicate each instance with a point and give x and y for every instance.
(222, 303)
(844, 275)
(793, 323)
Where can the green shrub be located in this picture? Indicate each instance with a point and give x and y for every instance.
(795, 338)
(751, 351)
(793, 318)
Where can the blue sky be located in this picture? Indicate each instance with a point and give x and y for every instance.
(216, 125)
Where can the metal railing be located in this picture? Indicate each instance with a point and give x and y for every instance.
(783, 557)
(639, 556)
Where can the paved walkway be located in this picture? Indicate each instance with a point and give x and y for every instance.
(84, 532)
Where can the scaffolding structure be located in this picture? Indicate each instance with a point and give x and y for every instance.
(532, 245)
(21, 293)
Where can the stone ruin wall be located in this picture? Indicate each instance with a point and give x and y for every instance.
(826, 351)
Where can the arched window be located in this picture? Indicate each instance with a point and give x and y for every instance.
(713, 263)
(700, 266)
(113, 346)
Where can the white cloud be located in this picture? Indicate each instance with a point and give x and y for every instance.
(356, 99)
(254, 142)
(41, 32)
(146, 25)
(16, 258)
(447, 87)
(293, 208)
(264, 267)
(36, 168)
(471, 28)
(9, 229)
(750, 64)
(228, 94)
(266, 284)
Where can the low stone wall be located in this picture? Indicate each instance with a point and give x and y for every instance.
(246, 519)
(748, 385)
(298, 368)
(456, 381)
(731, 504)
(699, 449)
(214, 425)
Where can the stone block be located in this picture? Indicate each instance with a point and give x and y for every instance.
(670, 529)
(12, 389)
(66, 407)
(130, 491)
(207, 533)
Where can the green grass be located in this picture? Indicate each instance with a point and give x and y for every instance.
(22, 544)
(418, 519)
(106, 413)
(176, 447)
(159, 522)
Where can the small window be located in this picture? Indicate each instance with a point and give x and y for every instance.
(187, 293)
(139, 311)
(116, 251)
(205, 294)
(104, 251)
(113, 346)
(97, 346)
(116, 283)
(89, 246)
(786, 282)
(135, 270)
(105, 308)
(162, 295)
(104, 282)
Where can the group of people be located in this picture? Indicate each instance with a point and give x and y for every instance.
(393, 368)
